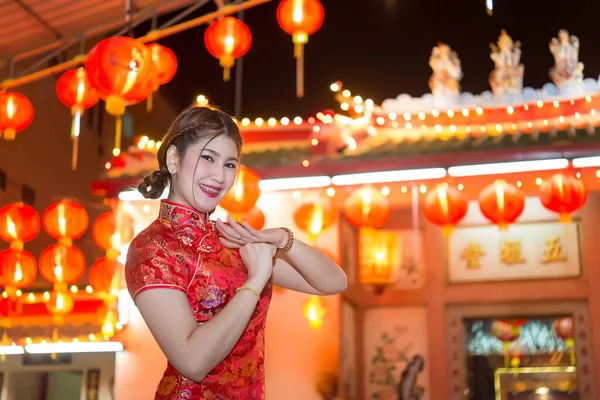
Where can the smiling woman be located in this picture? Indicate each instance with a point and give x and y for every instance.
(212, 282)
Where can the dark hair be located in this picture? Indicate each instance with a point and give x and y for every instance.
(193, 124)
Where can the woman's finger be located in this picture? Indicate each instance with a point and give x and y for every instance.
(240, 230)
(230, 244)
(251, 230)
(227, 230)
(257, 235)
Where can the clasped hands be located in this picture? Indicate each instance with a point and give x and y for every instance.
(235, 235)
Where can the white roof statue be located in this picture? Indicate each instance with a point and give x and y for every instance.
(447, 71)
(567, 73)
(507, 76)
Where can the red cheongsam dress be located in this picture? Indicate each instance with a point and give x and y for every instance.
(181, 251)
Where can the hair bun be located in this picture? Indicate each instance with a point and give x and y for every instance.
(153, 185)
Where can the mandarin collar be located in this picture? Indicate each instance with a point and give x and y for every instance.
(182, 217)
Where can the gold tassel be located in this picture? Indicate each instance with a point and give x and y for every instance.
(149, 103)
(118, 131)
(299, 54)
(75, 132)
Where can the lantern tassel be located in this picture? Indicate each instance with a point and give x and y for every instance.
(149, 102)
(447, 230)
(75, 131)
(75, 156)
(118, 131)
(226, 74)
(299, 54)
(10, 134)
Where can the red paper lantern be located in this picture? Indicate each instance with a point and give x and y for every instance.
(113, 229)
(505, 331)
(59, 263)
(65, 221)
(19, 223)
(502, 203)
(19, 269)
(255, 218)
(563, 327)
(244, 194)
(367, 208)
(227, 39)
(314, 218)
(16, 113)
(165, 65)
(300, 18)
(59, 304)
(102, 273)
(122, 71)
(563, 194)
(76, 92)
(515, 322)
(445, 206)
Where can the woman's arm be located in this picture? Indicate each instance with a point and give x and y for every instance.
(306, 269)
(195, 350)
(303, 268)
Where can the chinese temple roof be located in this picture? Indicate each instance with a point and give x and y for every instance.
(439, 129)
(432, 151)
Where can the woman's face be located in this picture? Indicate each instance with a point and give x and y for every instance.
(204, 174)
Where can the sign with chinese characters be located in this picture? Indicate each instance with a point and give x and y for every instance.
(527, 251)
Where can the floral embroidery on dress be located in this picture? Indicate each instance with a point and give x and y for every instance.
(181, 250)
(213, 297)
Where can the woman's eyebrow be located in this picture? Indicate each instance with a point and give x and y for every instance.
(217, 154)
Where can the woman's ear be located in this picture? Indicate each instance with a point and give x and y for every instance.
(172, 159)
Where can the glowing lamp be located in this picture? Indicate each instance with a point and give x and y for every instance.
(227, 39)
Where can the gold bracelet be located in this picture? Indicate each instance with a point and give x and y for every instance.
(249, 289)
(288, 244)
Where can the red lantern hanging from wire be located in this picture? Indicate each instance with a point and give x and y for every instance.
(76, 92)
(19, 223)
(65, 221)
(445, 206)
(112, 230)
(227, 39)
(60, 264)
(255, 218)
(122, 71)
(19, 270)
(300, 18)
(563, 194)
(244, 194)
(367, 208)
(502, 203)
(16, 114)
(165, 64)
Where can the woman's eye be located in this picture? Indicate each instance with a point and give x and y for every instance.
(208, 158)
(230, 165)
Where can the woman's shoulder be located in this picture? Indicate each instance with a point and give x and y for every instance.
(154, 241)
(155, 259)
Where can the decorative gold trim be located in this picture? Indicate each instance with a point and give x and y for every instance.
(522, 371)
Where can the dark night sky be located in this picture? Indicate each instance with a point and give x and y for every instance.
(379, 49)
